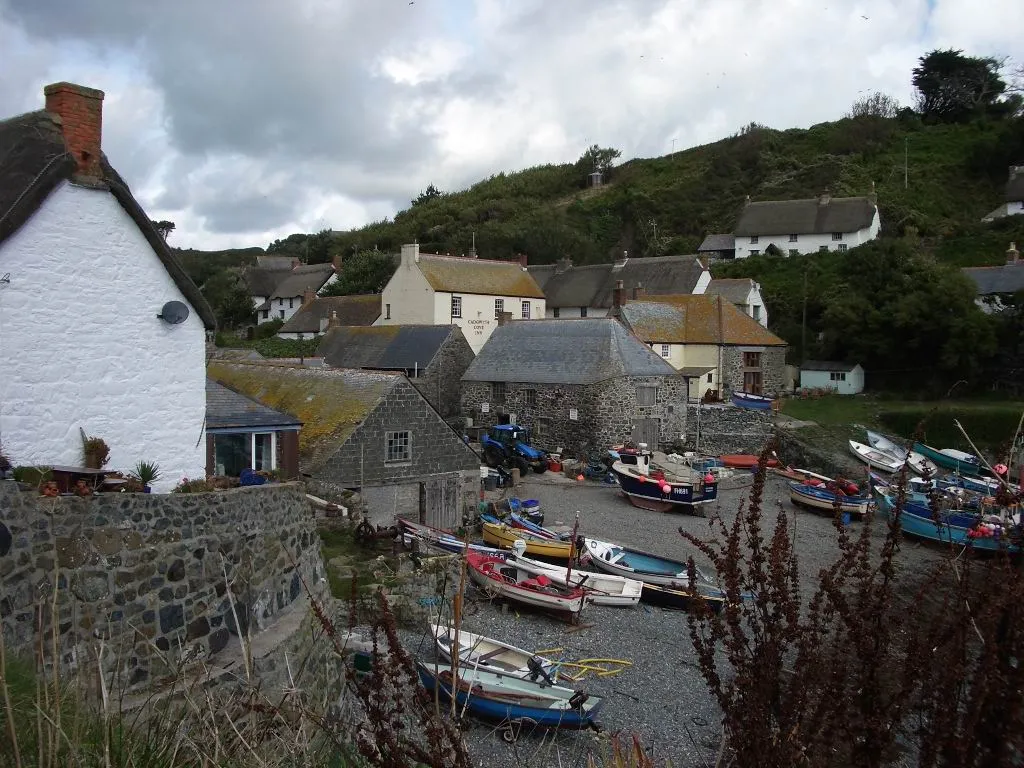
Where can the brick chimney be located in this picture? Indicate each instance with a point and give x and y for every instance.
(81, 114)
(334, 322)
(824, 198)
(336, 263)
(617, 298)
(1012, 254)
(638, 291)
(523, 258)
(410, 254)
(308, 296)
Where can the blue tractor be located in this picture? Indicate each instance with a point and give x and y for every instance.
(508, 445)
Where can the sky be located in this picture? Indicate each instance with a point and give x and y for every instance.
(246, 121)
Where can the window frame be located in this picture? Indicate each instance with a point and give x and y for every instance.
(753, 239)
(525, 310)
(666, 350)
(646, 392)
(842, 248)
(794, 238)
(499, 307)
(456, 307)
(394, 439)
(837, 237)
(499, 392)
(583, 311)
(752, 360)
(554, 312)
(530, 398)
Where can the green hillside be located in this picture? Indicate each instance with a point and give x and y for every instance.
(954, 175)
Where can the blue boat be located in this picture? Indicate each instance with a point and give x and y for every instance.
(659, 489)
(518, 521)
(752, 401)
(509, 699)
(958, 461)
(965, 527)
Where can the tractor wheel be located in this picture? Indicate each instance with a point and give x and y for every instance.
(540, 467)
(492, 458)
(521, 463)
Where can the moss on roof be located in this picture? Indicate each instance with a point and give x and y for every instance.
(695, 320)
(330, 403)
(458, 274)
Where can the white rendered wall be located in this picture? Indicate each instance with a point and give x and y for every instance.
(410, 296)
(85, 349)
(565, 312)
(478, 321)
(807, 243)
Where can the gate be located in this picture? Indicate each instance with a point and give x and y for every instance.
(439, 502)
(647, 431)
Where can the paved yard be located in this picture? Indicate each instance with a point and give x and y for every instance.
(662, 697)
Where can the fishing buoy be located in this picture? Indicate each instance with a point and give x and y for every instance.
(666, 488)
(579, 477)
(709, 478)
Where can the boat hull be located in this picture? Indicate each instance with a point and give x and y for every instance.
(946, 461)
(492, 697)
(479, 652)
(685, 600)
(876, 458)
(918, 522)
(917, 463)
(504, 536)
(745, 461)
(601, 588)
(571, 601)
(825, 500)
(752, 402)
(649, 493)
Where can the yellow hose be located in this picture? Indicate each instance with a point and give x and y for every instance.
(549, 650)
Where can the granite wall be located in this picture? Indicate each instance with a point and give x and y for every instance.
(772, 367)
(722, 429)
(441, 382)
(154, 576)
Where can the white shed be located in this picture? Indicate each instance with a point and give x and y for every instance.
(844, 378)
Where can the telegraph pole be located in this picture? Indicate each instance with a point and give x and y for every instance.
(803, 324)
(906, 142)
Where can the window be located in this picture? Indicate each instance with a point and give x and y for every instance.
(822, 249)
(646, 395)
(755, 252)
(711, 378)
(263, 451)
(499, 307)
(235, 452)
(456, 306)
(756, 309)
(387, 311)
(838, 376)
(837, 235)
(266, 314)
(291, 303)
(554, 312)
(753, 239)
(583, 311)
(281, 313)
(664, 350)
(794, 252)
(542, 427)
(792, 238)
(751, 359)
(398, 447)
(530, 397)
(526, 310)
(498, 391)
(842, 247)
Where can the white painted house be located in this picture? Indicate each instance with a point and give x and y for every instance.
(103, 331)
(1013, 199)
(744, 293)
(844, 378)
(796, 227)
(279, 290)
(472, 293)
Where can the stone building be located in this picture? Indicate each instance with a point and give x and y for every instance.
(581, 385)
(369, 431)
(433, 357)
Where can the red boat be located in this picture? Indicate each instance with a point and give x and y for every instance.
(744, 460)
(506, 580)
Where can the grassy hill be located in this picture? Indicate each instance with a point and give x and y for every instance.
(954, 175)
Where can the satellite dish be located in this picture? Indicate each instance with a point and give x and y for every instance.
(174, 312)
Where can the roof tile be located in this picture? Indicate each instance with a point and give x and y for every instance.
(806, 217)
(695, 320)
(459, 274)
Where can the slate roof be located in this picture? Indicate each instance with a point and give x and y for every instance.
(459, 274)
(990, 281)
(593, 285)
(34, 160)
(578, 351)
(805, 217)
(330, 402)
(227, 409)
(734, 289)
(351, 310)
(695, 320)
(726, 242)
(827, 365)
(384, 347)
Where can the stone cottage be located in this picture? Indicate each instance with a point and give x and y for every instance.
(580, 384)
(369, 431)
(433, 357)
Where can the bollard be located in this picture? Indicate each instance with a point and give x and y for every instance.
(515, 477)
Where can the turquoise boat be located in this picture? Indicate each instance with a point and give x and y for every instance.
(964, 527)
(963, 463)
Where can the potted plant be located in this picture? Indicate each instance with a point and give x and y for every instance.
(146, 473)
(95, 452)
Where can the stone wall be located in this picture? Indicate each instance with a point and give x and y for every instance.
(146, 573)
(441, 382)
(773, 369)
(726, 429)
(606, 412)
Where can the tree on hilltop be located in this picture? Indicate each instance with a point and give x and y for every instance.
(164, 227)
(430, 193)
(952, 88)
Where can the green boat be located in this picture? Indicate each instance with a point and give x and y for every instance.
(958, 461)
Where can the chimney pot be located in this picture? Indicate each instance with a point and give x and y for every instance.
(617, 298)
(523, 259)
(336, 261)
(308, 296)
(81, 115)
(638, 291)
(334, 322)
(1012, 254)
(824, 198)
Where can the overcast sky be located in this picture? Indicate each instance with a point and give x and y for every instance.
(247, 121)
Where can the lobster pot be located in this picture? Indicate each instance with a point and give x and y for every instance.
(532, 512)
